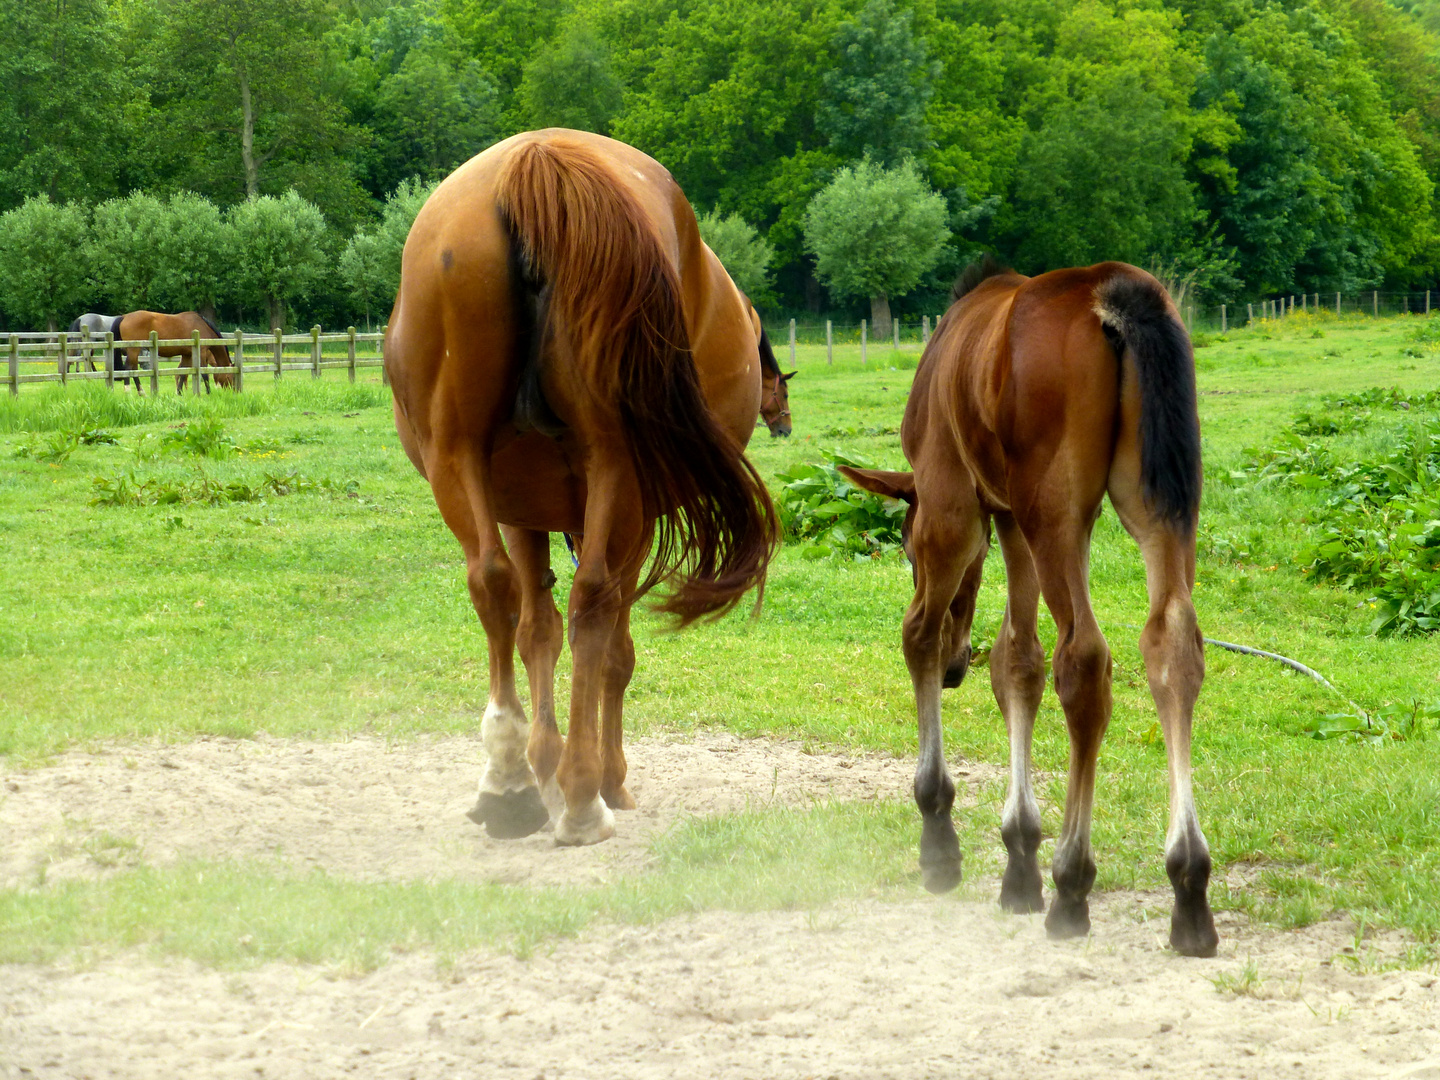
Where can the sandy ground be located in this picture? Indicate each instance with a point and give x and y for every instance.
(916, 989)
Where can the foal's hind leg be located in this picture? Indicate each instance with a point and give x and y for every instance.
(1175, 667)
(1060, 543)
(1017, 678)
(540, 637)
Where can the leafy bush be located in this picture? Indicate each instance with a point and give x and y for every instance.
(1396, 722)
(204, 438)
(124, 489)
(831, 516)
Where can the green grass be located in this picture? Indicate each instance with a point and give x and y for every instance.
(322, 615)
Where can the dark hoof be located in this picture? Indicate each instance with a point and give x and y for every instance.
(939, 854)
(1068, 919)
(1192, 930)
(511, 815)
(1020, 890)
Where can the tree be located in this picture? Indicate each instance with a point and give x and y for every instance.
(741, 250)
(571, 83)
(363, 269)
(62, 98)
(875, 97)
(281, 250)
(43, 275)
(874, 232)
(123, 250)
(197, 255)
(242, 99)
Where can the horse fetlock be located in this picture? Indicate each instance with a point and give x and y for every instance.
(1073, 871)
(511, 814)
(617, 797)
(940, 859)
(591, 824)
(934, 792)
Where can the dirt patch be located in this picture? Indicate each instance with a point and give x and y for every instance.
(371, 811)
(914, 989)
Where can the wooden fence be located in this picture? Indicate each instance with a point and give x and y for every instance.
(50, 360)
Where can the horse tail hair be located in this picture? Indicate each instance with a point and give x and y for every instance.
(74, 327)
(609, 287)
(1139, 318)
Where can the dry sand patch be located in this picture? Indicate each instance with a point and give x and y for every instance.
(918, 988)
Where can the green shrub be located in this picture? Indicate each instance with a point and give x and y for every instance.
(826, 513)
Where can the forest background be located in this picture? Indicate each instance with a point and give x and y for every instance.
(1256, 147)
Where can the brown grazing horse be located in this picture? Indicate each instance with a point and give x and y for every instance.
(1035, 398)
(568, 356)
(137, 325)
(774, 386)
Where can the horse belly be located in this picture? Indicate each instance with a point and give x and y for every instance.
(535, 486)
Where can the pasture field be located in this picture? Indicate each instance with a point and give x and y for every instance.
(323, 599)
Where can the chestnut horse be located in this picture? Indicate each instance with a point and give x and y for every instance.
(137, 325)
(1035, 398)
(774, 386)
(568, 356)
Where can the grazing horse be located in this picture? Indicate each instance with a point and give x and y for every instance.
(137, 325)
(774, 386)
(568, 356)
(97, 326)
(1035, 398)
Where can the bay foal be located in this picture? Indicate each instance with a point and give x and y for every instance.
(1035, 398)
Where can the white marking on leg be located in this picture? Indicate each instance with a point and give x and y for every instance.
(590, 825)
(1020, 799)
(1184, 821)
(504, 731)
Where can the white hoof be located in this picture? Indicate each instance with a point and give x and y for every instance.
(591, 825)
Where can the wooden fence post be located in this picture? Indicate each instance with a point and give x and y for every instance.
(239, 361)
(64, 358)
(195, 358)
(895, 327)
(109, 360)
(1427, 301)
(14, 364)
(1375, 302)
(925, 331)
(1223, 326)
(1249, 314)
(384, 371)
(829, 345)
(864, 332)
(279, 352)
(351, 332)
(154, 363)
(792, 343)
(1337, 303)
(315, 352)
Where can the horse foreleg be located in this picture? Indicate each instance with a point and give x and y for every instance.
(945, 541)
(540, 637)
(1017, 679)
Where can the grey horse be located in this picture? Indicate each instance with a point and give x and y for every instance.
(98, 326)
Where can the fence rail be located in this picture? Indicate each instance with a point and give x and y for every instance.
(29, 359)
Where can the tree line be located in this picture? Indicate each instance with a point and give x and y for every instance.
(260, 158)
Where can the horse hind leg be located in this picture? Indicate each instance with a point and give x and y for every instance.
(1174, 654)
(508, 804)
(619, 667)
(1017, 679)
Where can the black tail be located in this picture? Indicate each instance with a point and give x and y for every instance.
(1139, 313)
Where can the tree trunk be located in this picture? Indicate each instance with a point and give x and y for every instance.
(247, 136)
(277, 312)
(880, 317)
(207, 311)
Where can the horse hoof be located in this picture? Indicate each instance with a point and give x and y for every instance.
(511, 814)
(593, 824)
(1192, 933)
(1020, 895)
(1068, 919)
(941, 877)
(619, 799)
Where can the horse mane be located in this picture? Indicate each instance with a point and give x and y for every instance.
(976, 272)
(221, 348)
(768, 363)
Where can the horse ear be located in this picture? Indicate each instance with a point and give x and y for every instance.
(789, 375)
(892, 485)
